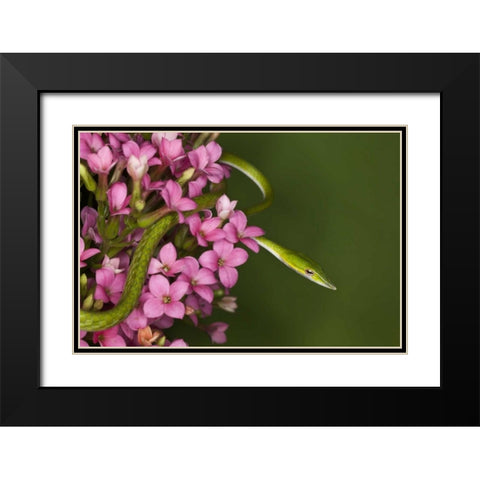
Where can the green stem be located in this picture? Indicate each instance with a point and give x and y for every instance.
(201, 139)
(101, 192)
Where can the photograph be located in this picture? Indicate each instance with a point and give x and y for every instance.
(240, 238)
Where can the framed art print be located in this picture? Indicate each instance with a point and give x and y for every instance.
(305, 232)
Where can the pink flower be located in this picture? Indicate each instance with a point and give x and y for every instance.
(168, 264)
(109, 338)
(165, 298)
(83, 343)
(195, 187)
(147, 183)
(118, 200)
(203, 160)
(172, 194)
(224, 258)
(127, 331)
(109, 286)
(89, 220)
(102, 161)
(237, 231)
(197, 305)
(198, 279)
(170, 151)
(84, 254)
(116, 139)
(135, 236)
(138, 158)
(176, 343)
(158, 136)
(225, 207)
(90, 143)
(113, 264)
(164, 322)
(137, 319)
(205, 231)
(216, 331)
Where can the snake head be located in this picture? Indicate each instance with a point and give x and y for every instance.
(310, 269)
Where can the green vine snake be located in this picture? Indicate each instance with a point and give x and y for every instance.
(298, 262)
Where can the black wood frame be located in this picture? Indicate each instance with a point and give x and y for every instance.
(24, 77)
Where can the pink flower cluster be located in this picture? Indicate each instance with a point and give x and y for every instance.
(195, 266)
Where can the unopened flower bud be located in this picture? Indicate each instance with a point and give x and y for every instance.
(229, 304)
(87, 179)
(97, 305)
(137, 167)
(186, 176)
(88, 302)
(219, 293)
(83, 285)
(139, 205)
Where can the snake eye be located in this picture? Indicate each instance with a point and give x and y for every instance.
(309, 272)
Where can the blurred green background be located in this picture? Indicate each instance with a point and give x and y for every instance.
(337, 199)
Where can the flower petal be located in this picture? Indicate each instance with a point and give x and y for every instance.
(223, 249)
(185, 204)
(118, 283)
(190, 266)
(251, 244)
(195, 187)
(205, 277)
(168, 254)
(211, 224)
(231, 233)
(116, 341)
(172, 193)
(214, 173)
(237, 257)
(228, 276)
(215, 235)
(106, 158)
(253, 232)
(178, 343)
(131, 148)
(178, 290)
(239, 219)
(104, 277)
(89, 253)
(205, 292)
(101, 294)
(136, 319)
(194, 223)
(175, 309)
(209, 260)
(154, 267)
(159, 286)
(148, 150)
(154, 307)
(117, 194)
(164, 322)
(214, 151)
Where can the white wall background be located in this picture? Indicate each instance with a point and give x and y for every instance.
(301, 26)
